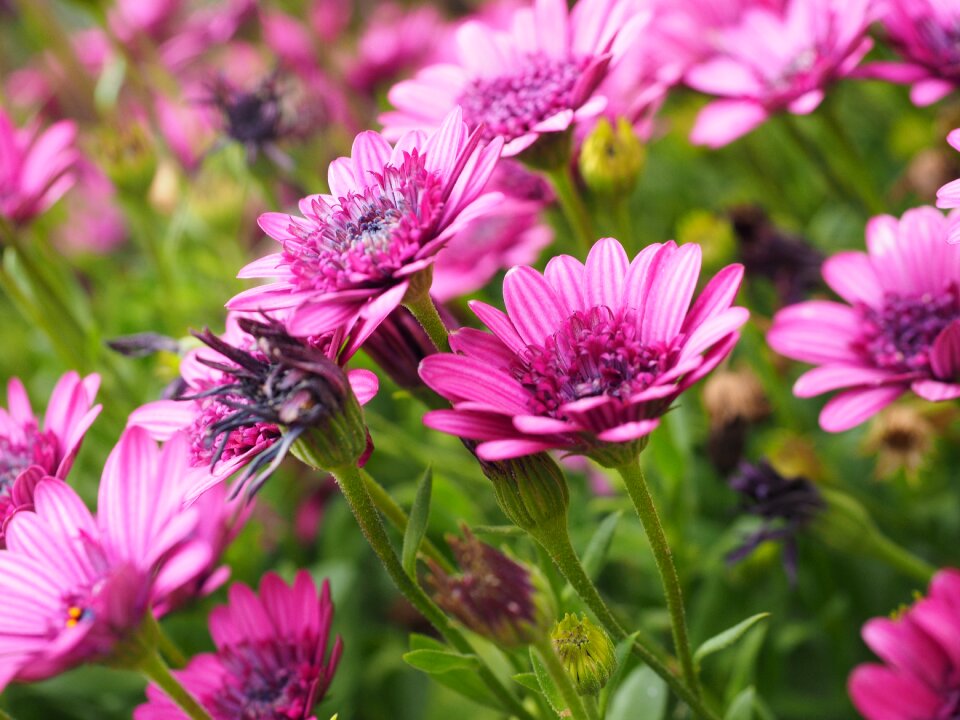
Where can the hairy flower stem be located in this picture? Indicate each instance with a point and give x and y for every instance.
(389, 508)
(155, 670)
(639, 493)
(557, 545)
(358, 498)
(561, 679)
(572, 206)
(886, 550)
(426, 314)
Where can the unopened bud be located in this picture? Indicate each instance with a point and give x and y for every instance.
(611, 160)
(586, 651)
(126, 155)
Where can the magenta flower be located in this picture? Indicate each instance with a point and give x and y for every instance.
(949, 195)
(35, 167)
(926, 33)
(74, 585)
(900, 328)
(538, 77)
(271, 659)
(585, 354)
(352, 255)
(27, 450)
(511, 233)
(922, 666)
(772, 62)
(220, 447)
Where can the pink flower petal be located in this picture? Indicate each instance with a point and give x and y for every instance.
(723, 121)
(945, 353)
(850, 408)
(833, 377)
(851, 276)
(605, 275)
(532, 305)
(506, 449)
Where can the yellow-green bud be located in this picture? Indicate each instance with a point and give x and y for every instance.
(586, 652)
(126, 154)
(611, 160)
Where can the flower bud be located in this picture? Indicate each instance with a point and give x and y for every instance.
(494, 595)
(586, 651)
(531, 491)
(611, 160)
(126, 155)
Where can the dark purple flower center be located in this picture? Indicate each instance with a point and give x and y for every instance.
(369, 235)
(267, 681)
(511, 105)
(594, 353)
(900, 336)
(235, 443)
(39, 448)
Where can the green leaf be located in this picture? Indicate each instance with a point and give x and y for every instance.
(465, 682)
(727, 638)
(417, 524)
(436, 662)
(547, 687)
(642, 696)
(528, 680)
(596, 553)
(742, 706)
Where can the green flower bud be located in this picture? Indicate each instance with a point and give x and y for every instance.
(845, 525)
(611, 160)
(531, 491)
(586, 652)
(127, 156)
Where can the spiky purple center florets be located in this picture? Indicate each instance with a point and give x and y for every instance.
(204, 445)
(370, 235)
(900, 336)
(38, 448)
(511, 105)
(267, 681)
(594, 353)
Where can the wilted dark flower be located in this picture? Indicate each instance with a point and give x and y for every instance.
(287, 382)
(901, 437)
(494, 595)
(733, 400)
(143, 344)
(786, 506)
(788, 261)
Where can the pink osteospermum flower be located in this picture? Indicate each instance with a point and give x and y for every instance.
(26, 447)
(353, 254)
(900, 328)
(949, 195)
(75, 585)
(926, 33)
(271, 659)
(921, 670)
(218, 449)
(35, 167)
(538, 77)
(586, 355)
(774, 62)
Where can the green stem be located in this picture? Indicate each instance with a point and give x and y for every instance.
(592, 705)
(392, 511)
(426, 314)
(5, 716)
(358, 498)
(561, 679)
(886, 550)
(823, 164)
(855, 163)
(153, 667)
(557, 545)
(639, 493)
(572, 205)
(173, 655)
